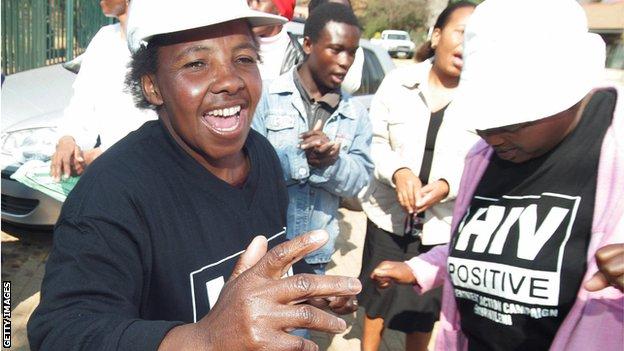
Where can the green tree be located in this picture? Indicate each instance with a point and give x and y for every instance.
(408, 15)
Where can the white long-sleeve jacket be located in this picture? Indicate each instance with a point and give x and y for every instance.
(400, 118)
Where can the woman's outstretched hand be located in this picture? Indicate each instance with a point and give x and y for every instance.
(391, 271)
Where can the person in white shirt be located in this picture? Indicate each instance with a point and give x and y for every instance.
(279, 52)
(272, 50)
(100, 107)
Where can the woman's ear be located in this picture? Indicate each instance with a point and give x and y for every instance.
(151, 90)
(435, 38)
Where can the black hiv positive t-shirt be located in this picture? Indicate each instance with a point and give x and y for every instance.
(518, 258)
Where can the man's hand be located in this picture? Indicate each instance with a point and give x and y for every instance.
(610, 260)
(408, 186)
(431, 194)
(67, 159)
(320, 151)
(257, 306)
(337, 304)
(90, 155)
(391, 271)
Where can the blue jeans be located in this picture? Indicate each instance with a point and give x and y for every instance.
(319, 268)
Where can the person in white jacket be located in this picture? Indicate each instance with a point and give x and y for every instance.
(418, 149)
(278, 50)
(100, 108)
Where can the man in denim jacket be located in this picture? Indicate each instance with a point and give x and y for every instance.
(321, 135)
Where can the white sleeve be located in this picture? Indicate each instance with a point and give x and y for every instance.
(353, 79)
(387, 160)
(78, 116)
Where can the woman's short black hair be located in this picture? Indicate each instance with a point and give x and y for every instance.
(326, 13)
(425, 51)
(144, 61)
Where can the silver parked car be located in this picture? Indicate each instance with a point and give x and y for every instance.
(32, 105)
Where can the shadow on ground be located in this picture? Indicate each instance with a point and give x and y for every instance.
(24, 253)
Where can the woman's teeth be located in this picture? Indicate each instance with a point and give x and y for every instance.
(223, 120)
(225, 112)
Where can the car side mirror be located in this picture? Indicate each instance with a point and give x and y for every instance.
(73, 65)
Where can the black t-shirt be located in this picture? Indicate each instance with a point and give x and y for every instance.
(519, 256)
(146, 241)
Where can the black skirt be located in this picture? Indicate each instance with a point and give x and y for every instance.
(400, 306)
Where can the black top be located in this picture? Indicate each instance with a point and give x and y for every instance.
(146, 240)
(435, 121)
(519, 257)
(432, 134)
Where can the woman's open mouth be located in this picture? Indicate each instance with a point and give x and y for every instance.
(458, 61)
(224, 120)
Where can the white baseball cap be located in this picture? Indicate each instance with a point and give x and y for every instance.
(526, 60)
(148, 18)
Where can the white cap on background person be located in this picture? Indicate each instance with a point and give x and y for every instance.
(148, 18)
(526, 60)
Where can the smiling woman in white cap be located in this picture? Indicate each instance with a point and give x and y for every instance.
(148, 250)
(536, 259)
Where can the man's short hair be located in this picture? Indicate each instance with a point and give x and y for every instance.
(326, 13)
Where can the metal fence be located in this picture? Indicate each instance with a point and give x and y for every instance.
(37, 33)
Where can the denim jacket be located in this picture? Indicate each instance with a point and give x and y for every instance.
(314, 193)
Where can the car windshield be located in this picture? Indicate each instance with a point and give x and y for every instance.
(398, 37)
